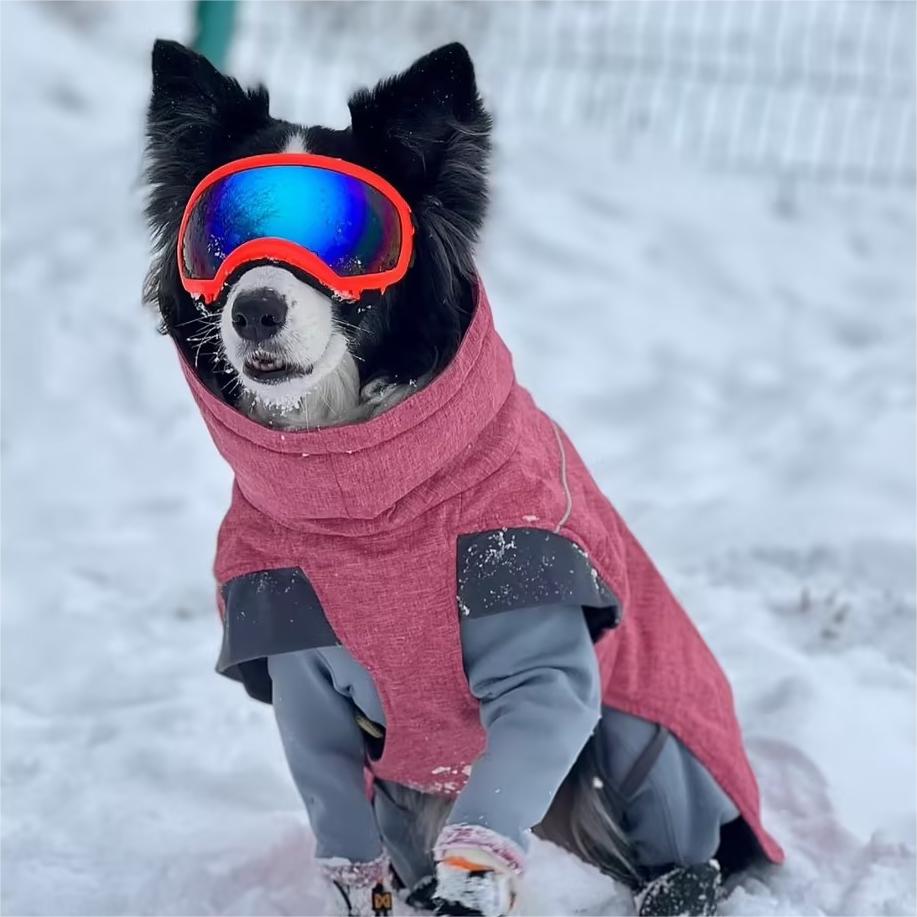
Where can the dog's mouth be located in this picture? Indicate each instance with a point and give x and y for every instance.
(272, 369)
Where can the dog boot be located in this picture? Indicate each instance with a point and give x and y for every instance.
(473, 882)
(421, 896)
(358, 889)
(477, 871)
(691, 891)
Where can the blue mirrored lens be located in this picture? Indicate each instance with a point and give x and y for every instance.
(348, 224)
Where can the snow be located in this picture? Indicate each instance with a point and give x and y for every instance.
(734, 358)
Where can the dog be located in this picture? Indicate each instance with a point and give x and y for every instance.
(283, 350)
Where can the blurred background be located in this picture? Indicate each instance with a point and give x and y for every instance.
(702, 254)
(806, 90)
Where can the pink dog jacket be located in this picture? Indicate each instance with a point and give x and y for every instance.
(463, 499)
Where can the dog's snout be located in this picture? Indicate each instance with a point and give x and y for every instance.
(259, 314)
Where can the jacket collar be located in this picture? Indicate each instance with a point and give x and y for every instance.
(366, 471)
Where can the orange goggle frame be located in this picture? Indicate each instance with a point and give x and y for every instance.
(340, 223)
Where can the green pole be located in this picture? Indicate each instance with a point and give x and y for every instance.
(214, 21)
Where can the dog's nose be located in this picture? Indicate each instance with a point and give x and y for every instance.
(258, 315)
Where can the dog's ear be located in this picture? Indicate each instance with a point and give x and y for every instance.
(427, 131)
(197, 111)
(426, 128)
(196, 118)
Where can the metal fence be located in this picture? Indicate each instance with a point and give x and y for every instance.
(809, 88)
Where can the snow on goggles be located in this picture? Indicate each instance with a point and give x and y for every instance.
(338, 222)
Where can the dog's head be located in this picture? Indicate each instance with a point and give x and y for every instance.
(424, 130)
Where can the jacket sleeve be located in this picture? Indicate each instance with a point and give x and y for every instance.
(324, 749)
(535, 673)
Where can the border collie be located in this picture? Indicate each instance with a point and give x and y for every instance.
(290, 355)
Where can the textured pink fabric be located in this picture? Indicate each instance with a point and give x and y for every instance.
(371, 513)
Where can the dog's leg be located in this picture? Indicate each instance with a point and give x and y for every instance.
(409, 823)
(641, 808)
(325, 750)
(585, 818)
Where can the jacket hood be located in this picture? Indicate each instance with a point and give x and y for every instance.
(362, 476)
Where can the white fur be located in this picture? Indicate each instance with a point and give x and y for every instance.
(296, 143)
(329, 392)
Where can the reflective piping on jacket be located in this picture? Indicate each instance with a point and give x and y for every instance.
(563, 479)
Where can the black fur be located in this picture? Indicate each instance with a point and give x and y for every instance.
(425, 130)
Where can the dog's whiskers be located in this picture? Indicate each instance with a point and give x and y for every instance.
(341, 323)
(202, 341)
(202, 319)
(205, 336)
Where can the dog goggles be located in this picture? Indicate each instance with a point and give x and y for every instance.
(342, 224)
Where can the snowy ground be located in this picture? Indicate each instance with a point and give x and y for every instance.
(735, 361)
